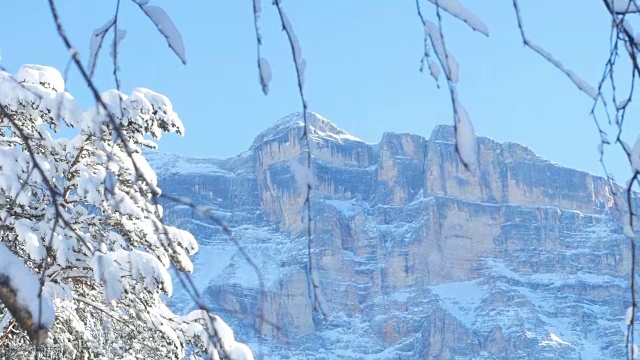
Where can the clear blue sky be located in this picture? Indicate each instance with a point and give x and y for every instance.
(362, 73)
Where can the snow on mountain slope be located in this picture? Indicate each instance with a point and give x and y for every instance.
(416, 257)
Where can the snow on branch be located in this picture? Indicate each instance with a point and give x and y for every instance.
(577, 80)
(458, 11)
(426, 53)
(296, 51)
(264, 69)
(200, 323)
(166, 27)
(118, 36)
(621, 7)
(20, 294)
(95, 44)
(300, 64)
(145, 271)
(465, 137)
(448, 61)
(623, 41)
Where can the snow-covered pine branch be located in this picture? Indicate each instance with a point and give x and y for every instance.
(79, 219)
(20, 293)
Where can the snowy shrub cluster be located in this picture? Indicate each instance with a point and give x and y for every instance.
(83, 251)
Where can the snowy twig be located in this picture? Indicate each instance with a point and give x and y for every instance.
(457, 108)
(97, 38)
(264, 69)
(629, 342)
(426, 54)
(465, 137)
(116, 42)
(165, 26)
(618, 28)
(458, 11)
(45, 267)
(102, 308)
(578, 81)
(621, 33)
(300, 65)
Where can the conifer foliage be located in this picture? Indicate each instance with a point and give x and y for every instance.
(84, 255)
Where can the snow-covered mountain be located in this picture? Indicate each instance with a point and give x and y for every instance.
(416, 257)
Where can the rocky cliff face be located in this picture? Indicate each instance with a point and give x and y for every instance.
(415, 257)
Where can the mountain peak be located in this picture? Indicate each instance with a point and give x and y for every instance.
(516, 227)
(446, 133)
(319, 127)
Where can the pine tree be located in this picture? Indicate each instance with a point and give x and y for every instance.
(81, 227)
